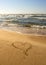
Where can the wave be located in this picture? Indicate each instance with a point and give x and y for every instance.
(26, 24)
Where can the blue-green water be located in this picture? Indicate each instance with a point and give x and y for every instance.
(27, 24)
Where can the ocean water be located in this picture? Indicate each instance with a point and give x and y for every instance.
(26, 24)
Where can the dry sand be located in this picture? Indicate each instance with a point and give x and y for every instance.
(20, 49)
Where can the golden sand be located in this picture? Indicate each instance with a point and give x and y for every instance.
(20, 49)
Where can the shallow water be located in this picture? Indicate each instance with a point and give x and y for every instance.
(26, 30)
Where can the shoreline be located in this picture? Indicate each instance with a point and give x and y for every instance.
(23, 33)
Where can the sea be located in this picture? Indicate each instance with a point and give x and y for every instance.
(24, 23)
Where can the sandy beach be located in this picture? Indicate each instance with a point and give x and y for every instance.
(20, 49)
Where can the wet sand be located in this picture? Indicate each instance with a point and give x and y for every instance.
(20, 49)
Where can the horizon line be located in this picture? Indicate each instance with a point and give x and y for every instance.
(24, 13)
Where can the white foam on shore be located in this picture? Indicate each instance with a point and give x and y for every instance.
(22, 33)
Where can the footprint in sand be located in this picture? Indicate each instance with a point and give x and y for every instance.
(23, 46)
